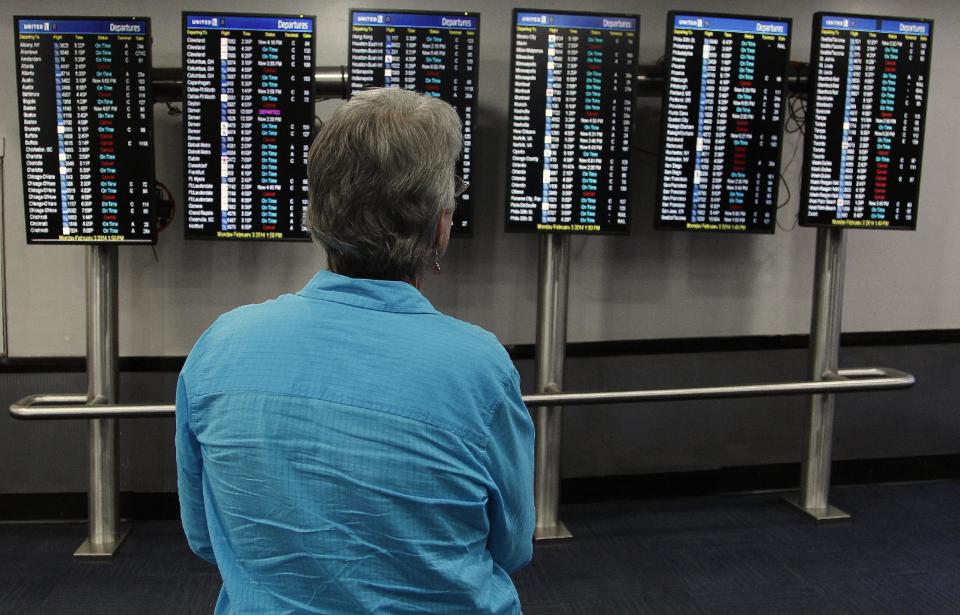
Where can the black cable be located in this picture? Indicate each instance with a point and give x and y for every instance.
(796, 116)
(803, 106)
(169, 199)
(798, 119)
(783, 171)
(783, 180)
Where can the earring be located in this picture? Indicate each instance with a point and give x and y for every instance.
(436, 261)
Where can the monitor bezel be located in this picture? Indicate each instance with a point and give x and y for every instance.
(803, 213)
(154, 226)
(630, 169)
(183, 68)
(458, 232)
(657, 224)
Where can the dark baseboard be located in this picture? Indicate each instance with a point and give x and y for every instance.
(733, 480)
(718, 481)
(73, 506)
(740, 343)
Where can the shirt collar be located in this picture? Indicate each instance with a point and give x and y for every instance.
(381, 295)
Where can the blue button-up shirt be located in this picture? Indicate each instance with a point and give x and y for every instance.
(349, 449)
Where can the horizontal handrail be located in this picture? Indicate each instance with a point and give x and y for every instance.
(75, 406)
(54, 399)
(844, 381)
(44, 406)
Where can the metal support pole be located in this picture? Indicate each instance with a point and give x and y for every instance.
(104, 531)
(551, 353)
(825, 325)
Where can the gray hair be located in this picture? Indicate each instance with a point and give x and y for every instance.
(381, 173)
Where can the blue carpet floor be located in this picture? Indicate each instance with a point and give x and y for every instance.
(735, 554)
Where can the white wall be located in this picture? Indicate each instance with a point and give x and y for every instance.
(648, 285)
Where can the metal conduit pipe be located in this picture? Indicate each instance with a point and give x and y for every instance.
(329, 82)
(333, 82)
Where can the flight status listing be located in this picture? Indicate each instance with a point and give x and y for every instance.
(428, 52)
(86, 129)
(723, 107)
(571, 114)
(869, 82)
(248, 122)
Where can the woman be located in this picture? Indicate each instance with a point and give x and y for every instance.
(349, 449)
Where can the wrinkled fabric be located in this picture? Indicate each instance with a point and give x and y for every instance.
(349, 449)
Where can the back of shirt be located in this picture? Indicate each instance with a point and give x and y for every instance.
(349, 449)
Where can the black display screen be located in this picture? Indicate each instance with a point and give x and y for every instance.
(431, 53)
(572, 81)
(869, 81)
(723, 107)
(86, 129)
(248, 123)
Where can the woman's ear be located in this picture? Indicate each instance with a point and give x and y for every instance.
(444, 224)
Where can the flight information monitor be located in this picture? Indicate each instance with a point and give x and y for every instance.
(431, 53)
(248, 122)
(86, 129)
(723, 104)
(869, 78)
(571, 111)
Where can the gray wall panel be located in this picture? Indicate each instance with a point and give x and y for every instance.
(647, 286)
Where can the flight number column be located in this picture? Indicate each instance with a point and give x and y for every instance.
(392, 58)
(66, 143)
(565, 75)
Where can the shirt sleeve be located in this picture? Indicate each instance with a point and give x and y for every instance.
(510, 454)
(189, 479)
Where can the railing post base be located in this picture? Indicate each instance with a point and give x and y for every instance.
(829, 513)
(102, 550)
(552, 532)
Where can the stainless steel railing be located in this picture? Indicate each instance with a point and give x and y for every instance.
(76, 406)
